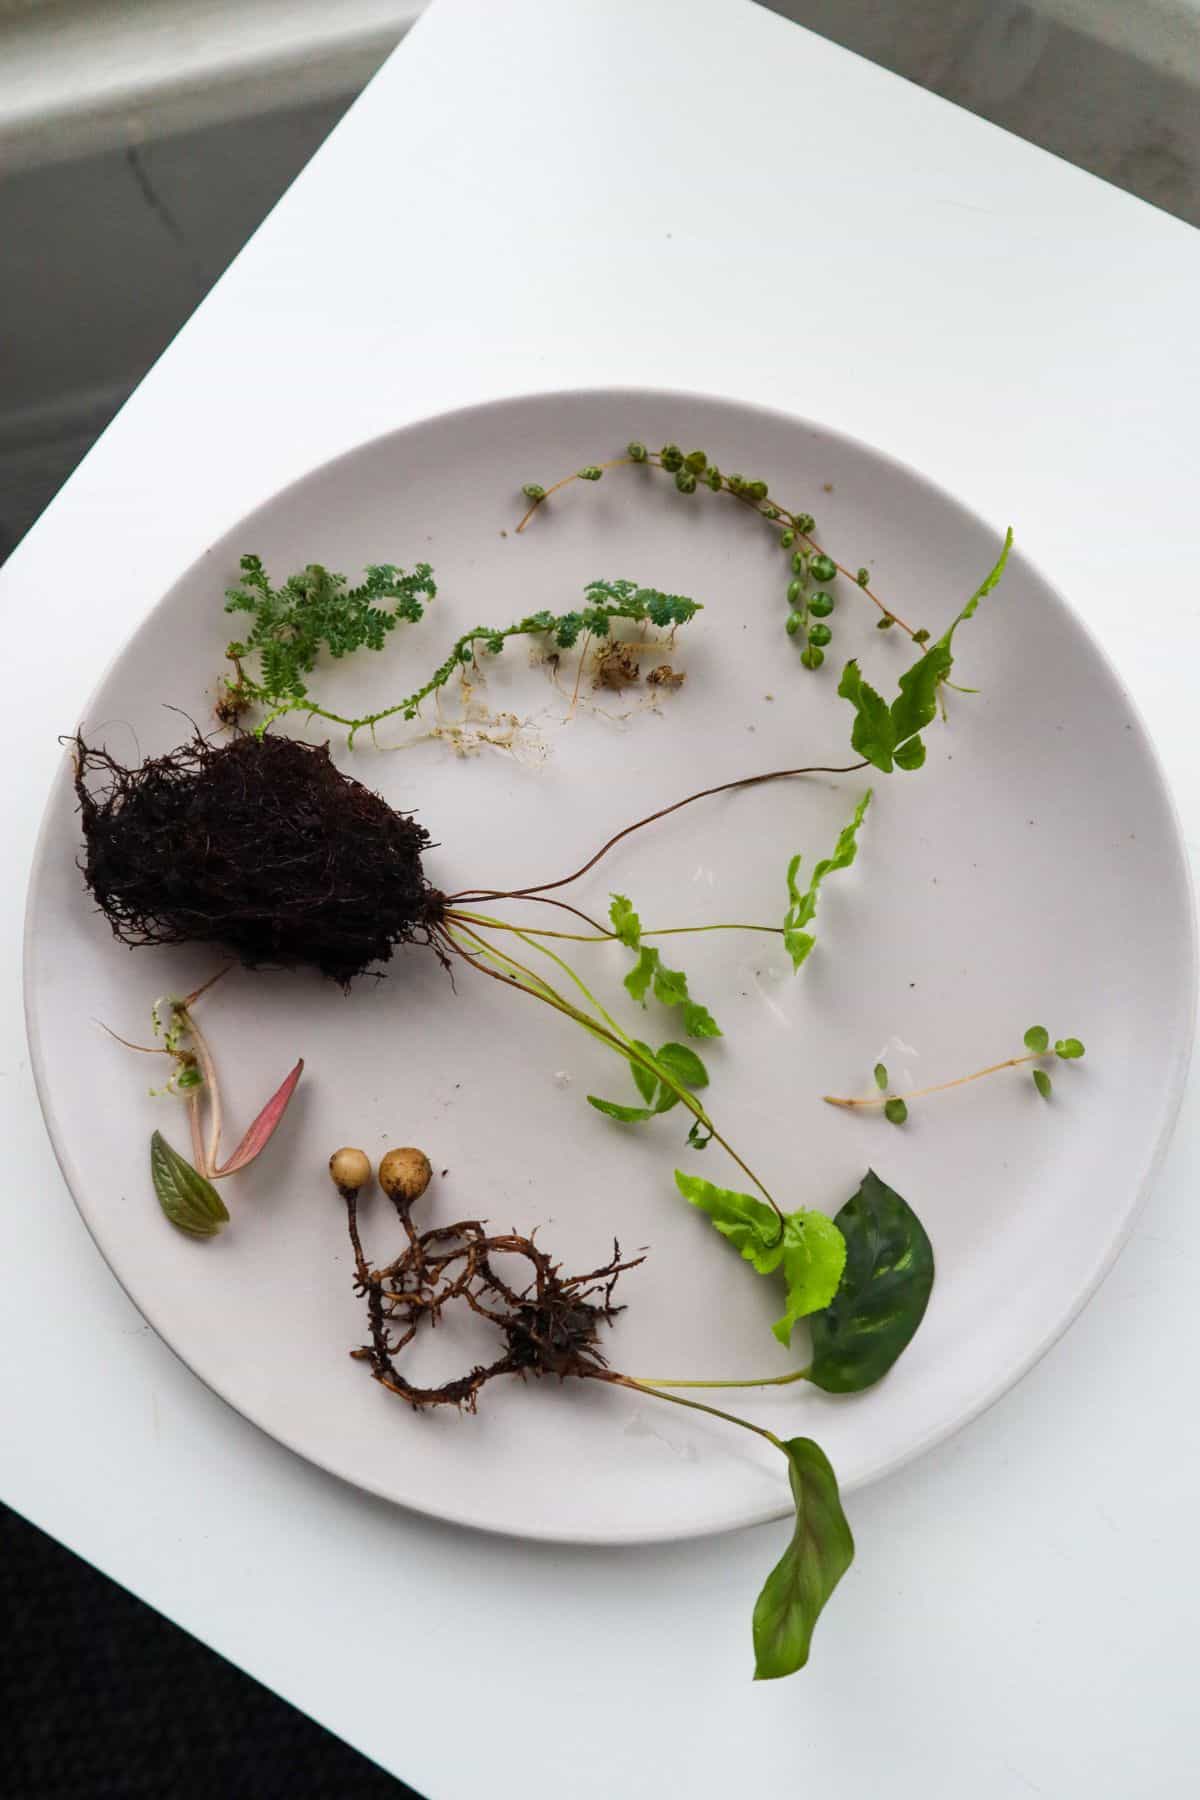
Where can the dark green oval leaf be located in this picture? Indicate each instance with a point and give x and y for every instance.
(884, 1292)
(189, 1201)
(819, 1554)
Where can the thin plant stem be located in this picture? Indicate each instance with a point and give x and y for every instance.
(746, 781)
(715, 1412)
(606, 937)
(750, 1382)
(940, 1087)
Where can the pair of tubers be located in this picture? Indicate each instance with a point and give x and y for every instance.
(404, 1173)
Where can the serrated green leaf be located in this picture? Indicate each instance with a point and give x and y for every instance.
(670, 986)
(628, 1115)
(642, 974)
(873, 735)
(802, 906)
(814, 1256)
(625, 921)
(1043, 1083)
(1068, 1048)
(883, 1294)
(190, 1202)
(821, 1550)
(751, 1227)
(1037, 1039)
(698, 1022)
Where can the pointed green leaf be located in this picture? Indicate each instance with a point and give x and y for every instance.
(683, 1064)
(799, 946)
(883, 1294)
(821, 1550)
(628, 1115)
(644, 1078)
(670, 986)
(190, 1201)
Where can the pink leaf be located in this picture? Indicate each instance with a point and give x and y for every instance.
(263, 1128)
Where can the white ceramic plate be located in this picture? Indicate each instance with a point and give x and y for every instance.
(1032, 871)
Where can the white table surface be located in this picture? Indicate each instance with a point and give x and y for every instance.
(691, 193)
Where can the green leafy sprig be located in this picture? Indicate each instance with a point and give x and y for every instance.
(889, 736)
(802, 906)
(1038, 1051)
(650, 974)
(812, 572)
(316, 610)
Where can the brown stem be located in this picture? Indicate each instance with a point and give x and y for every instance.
(471, 895)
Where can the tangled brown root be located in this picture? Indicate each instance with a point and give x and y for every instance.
(551, 1326)
(259, 845)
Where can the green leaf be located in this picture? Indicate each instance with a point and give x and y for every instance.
(625, 921)
(814, 1257)
(1068, 1048)
(190, 1201)
(642, 973)
(1037, 1039)
(883, 1294)
(916, 705)
(628, 1115)
(698, 1022)
(802, 906)
(1043, 1083)
(683, 1064)
(910, 755)
(670, 985)
(873, 735)
(881, 1077)
(821, 1550)
(644, 1078)
(895, 1110)
(751, 1227)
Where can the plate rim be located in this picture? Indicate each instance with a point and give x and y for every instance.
(1005, 1380)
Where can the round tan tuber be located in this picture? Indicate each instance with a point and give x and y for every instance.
(350, 1169)
(404, 1174)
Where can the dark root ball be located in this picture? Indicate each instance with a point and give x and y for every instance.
(259, 845)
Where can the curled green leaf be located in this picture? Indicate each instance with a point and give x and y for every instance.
(802, 906)
(1043, 1083)
(821, 1550)
(189, 1201)
(625, 921)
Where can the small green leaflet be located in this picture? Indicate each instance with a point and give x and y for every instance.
(821, 1550)
(1037, 1039)
(673, 1059)
(883, 1292)
(802, 906)
(189, 1201)
(808, 1246)
(888, 736)
(1043, 1083)
(1068, 1048)
(670, 986)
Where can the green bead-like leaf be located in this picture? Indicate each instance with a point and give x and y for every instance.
(1037, 1039)
(821, 1550)
(1043, 1083)
(883, 1294)
(1069, 1049)
(190, 1201)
